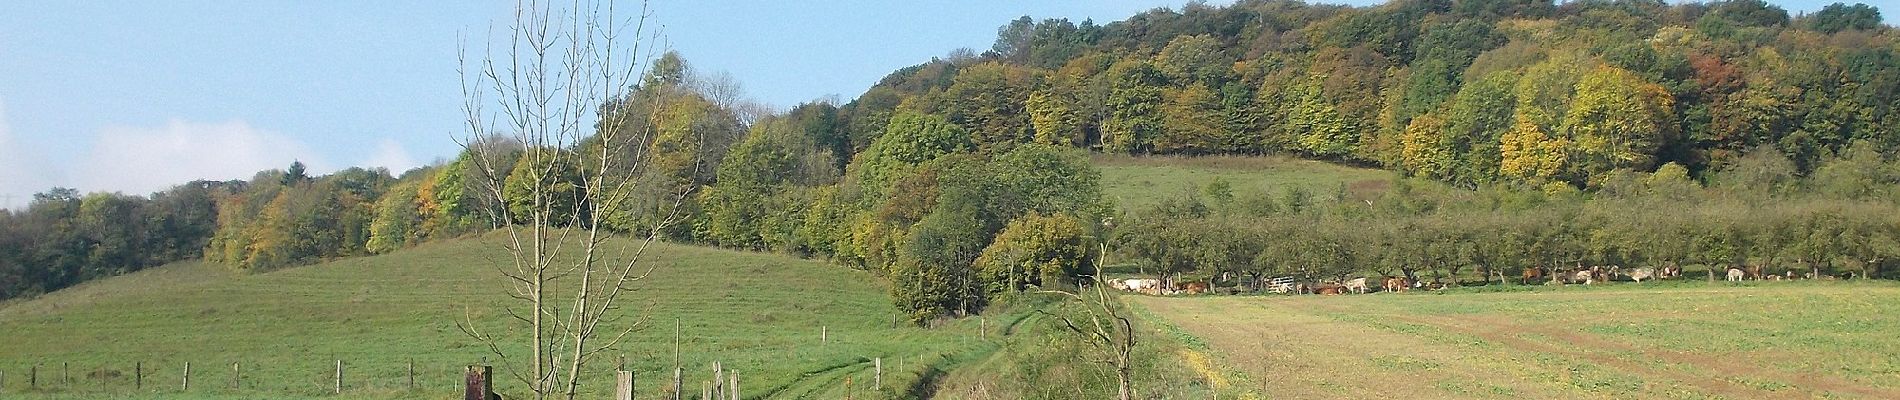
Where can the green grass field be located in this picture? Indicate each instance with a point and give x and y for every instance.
(1676, 340)
(758, 313)
(1133, 182)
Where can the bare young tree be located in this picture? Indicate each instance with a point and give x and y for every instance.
(1104, 324)
(544, 88)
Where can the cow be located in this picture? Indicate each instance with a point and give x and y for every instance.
(1669, 272)
(1327, 290)
(1395, 284)
(1754, 272)
(1117, 284)
(1583, 276)
(1641, 274)
(1735, 274)
(1196, 287)
(1532, 274)
(1356, 285)
(1145, 285)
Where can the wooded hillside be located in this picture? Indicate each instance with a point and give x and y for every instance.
(1472, 92)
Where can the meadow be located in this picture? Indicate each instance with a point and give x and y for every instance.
(1674, 340)
(761, 314)
(1136, 182)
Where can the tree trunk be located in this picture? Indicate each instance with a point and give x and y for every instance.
(1122, 377)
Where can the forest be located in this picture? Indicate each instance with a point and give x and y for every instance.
(1531, 134)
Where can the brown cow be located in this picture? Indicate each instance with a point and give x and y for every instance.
(1533, 274)
(1196, 287)
(1328, 290)
(1669, 272)
(1754, 272)
(1395, 284)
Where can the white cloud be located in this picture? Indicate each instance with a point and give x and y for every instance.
(390, 155)
(141, 160)
(22, 172)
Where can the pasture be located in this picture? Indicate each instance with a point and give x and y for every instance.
(761, 314)
(1675, 340)
(1133, 182)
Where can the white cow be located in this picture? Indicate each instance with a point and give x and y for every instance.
(1356, 285)
(1735, 274)
(1641, 274)
(1142, 285)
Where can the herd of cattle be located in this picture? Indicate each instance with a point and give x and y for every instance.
(1535, 275)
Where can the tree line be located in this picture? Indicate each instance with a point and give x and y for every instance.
(1842, 221)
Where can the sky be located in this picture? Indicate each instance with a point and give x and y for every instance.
(135, 97)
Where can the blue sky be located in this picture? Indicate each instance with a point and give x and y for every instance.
(135, 97)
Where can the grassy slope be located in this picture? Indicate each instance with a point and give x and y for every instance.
(1132, 182)
(758, 313)
(1675, 340)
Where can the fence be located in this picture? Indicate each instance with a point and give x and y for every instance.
(338, 376)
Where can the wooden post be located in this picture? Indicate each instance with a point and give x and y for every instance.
(719, 379)
(878, 363)
(705, 391)
(186, 384)
(138, 375)
(479, 385)
(677, 349)
(623, 390)
(65, 375)
(679, 385)
(734, 387)
(824, 335)
(982, 328)
(33, 377)
(339, 376)
(237, 375)
(412, 373)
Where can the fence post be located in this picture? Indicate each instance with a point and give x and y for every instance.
(237, 375)
(65, 375)
(479, 386)
(412, 373)
(824, 335)
(623, 388)
(679, 385)
(718, 381)
(186, 385)
(339, 376)
(879, 364)
(138, 375)
(734, 376)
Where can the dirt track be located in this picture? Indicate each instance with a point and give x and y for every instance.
(1383, 346)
